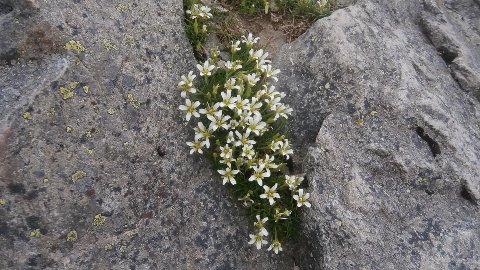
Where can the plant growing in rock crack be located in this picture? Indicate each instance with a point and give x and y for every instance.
(239, 119)
(196, 25)
(309, 9)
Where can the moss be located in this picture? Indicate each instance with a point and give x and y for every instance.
(27, 116)
(99, 220)
(35, 233)
(133, 101)
(75, 45)
(122, 7)
(72, 236)
(2, 201)
(109, 45)
(78, 175)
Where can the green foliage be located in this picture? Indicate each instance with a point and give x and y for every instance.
(234, 99)
(308, 9)
(197, 26)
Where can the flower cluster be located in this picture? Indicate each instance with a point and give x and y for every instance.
(238, 124)
(196, 20)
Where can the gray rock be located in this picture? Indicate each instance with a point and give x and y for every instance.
(117, 150)
(389, 137)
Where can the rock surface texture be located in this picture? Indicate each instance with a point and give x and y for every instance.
(387, 123)
(112, 144)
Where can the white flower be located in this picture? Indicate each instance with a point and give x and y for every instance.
(247, 151)
(196, 147)
(284, 148)
(249, 40)
(230, 84)
(194, 12)
(302, 198)
(274, 145)
(241, 104)
(255, 106)
(218, 120)
(235, 47)
(268, 162)
(201, 132)
(257, 55)
(269, 73)
(260, 225)
(281, 215)
(268, 92)
(205, 12)
(293, 181)
(252, 79)
(276, 246)
(227, 161)
(186, 84)
(210, 110)
(230, 137)
(243, 139)
(270, 194)
(206, 69)
(191, 109)
(225, 151)
(228, 175)
(273, 102)
(228, 100)
(232, 65)
(322, 3)
(257, 239)
(259, 174)
(256, 125)
(281, 110)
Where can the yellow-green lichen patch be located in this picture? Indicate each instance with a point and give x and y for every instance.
(128, 40)
(2, 202)
(108, 247)
(78, 175)
(75, 45)
(110, 111)
(51, 111)
(72, 236)
(133, 101)
(45, 180)
(67, 91)
(109, 45)
(99, 220)
(86, 89)
(88, 134)
(68, 129)
(35, 233)
(27, 116)
(90, 151)
(122, 7)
